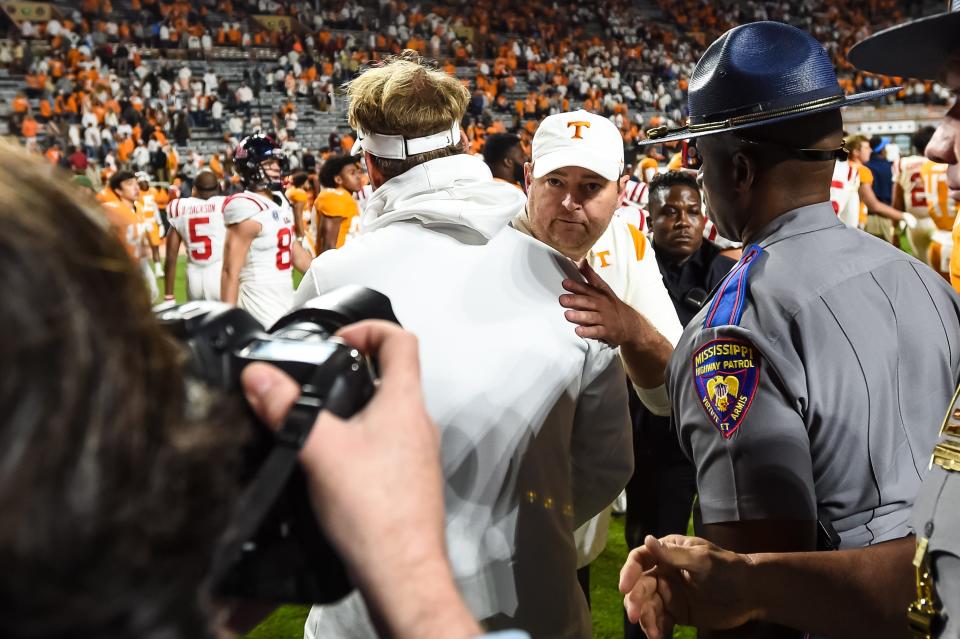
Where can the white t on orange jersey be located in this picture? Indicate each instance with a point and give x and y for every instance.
(200, 224)
(942, 208)
(845, 193)
(266, 279)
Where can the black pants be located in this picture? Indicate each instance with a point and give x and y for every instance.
(660, 493)
(583, 578)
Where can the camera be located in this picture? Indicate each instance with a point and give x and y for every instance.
(273, 549)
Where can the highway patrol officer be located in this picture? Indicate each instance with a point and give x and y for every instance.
(929, 49)
(805, 391)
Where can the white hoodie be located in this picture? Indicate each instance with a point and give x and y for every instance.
(535, 434)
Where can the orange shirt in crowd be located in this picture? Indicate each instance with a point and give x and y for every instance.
(20, 104)
(29, 127)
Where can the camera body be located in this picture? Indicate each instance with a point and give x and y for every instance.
(273, 549)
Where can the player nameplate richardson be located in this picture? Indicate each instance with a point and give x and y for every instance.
(726, 373)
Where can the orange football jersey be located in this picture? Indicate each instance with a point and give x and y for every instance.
(337, 203)
(126, 224)
(942, 208)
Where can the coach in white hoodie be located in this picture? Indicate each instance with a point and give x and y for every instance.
(534, 427)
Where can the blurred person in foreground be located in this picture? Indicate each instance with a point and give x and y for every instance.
(533, 417)
(112, 502)
(907, 586)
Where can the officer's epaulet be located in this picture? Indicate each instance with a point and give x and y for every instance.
(730, 298)
(947, 453)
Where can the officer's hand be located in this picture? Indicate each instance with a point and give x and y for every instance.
(685, 580)
(599, 313)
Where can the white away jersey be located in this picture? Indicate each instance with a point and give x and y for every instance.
(845, 193)
(266, 279)
(200, 224)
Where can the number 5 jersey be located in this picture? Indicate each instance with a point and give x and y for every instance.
(200, 224)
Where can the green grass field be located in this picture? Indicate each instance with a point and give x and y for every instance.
(180, 284)
(287, 621)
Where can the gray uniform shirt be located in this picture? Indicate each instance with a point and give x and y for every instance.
(812, 385)
(936, 517)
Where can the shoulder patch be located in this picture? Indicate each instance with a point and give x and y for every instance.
(726, 374)
(730, 298)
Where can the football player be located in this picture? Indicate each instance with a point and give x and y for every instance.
(122, 210)
(149, 203)
(943, 211)
(909, 193)
(336, 209)
(260, 248)
(885, 217)
(199, 221)
(300, 198)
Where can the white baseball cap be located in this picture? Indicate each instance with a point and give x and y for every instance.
(578, 138)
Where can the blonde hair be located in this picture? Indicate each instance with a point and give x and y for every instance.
(405, 97)
(852, 142)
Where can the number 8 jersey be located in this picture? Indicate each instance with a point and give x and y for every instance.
(266, 279)
(200, 224)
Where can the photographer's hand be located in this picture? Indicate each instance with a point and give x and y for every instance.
(377, 488)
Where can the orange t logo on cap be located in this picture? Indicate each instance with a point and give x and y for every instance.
(579, 124)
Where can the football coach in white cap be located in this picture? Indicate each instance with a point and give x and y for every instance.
(574, 185)
(533, 420)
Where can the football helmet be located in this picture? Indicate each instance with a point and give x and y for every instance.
(248, 161)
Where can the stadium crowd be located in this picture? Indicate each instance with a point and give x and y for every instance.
(112, 84)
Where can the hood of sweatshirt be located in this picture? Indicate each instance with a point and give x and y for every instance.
(457, 190)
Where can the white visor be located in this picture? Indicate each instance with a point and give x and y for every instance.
(397, 147)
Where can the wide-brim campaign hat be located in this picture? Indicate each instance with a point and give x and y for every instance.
(756, 74)
(915, 49)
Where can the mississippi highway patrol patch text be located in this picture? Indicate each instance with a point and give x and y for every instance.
(726, 373)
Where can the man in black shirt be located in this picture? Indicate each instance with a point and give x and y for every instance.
(691, 267)
(660, 493)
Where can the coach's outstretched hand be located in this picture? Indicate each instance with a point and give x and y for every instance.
(685, 580)
(377, 488)
(599, 314)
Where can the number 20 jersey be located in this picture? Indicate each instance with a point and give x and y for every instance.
(266, 279)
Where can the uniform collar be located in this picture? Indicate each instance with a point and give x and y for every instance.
(805, 219)
(700, 257)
